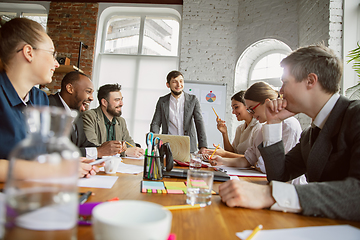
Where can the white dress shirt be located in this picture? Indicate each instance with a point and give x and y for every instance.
(91, 152)
(245, 135)
(176, 115)
(285, 195)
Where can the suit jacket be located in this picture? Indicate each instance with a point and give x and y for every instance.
(95, 129)
(331, 165)
(192, 113)
(77, 136)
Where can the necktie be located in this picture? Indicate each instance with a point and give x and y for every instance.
(314, 133)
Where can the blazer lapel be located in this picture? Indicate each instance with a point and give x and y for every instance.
(165, 106)
(322, 148)
(101, 125)
(187, 104)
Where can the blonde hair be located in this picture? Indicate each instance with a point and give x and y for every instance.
(14, 33)
(260, 91)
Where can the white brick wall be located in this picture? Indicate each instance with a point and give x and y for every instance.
(216, 32)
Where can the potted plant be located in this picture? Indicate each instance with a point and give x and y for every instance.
(354, 91)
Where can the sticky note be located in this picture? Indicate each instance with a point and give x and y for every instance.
(174, 191)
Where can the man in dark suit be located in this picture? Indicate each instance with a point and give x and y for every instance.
(328, 151)
(176, 112)
(77, 93)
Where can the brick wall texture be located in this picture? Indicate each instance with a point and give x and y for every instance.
(69, 24)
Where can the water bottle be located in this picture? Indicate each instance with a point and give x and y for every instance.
(41, 194)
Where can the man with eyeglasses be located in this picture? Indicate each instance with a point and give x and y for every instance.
(105, 123)
(328, 151)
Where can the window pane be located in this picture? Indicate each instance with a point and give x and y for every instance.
(143, 81)
(37, 17)
(122, 35)
(161, 37)
(268, 67)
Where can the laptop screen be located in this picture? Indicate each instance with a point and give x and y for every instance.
(180, 146)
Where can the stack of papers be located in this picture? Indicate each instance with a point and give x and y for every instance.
(242, 172)
(336, 232)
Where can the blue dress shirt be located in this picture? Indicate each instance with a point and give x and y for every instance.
(12, 121)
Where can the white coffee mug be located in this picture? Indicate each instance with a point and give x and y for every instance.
(112, 164)
(131, 220)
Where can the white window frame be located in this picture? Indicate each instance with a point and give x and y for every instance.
(108, 10)
(272, 81)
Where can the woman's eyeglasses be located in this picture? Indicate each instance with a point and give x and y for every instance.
(53, 53)
(251, 110)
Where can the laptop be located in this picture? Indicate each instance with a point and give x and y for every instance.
(182, 173)
(180, 146)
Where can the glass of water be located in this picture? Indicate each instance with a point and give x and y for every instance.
(195, 161)
(199, 187)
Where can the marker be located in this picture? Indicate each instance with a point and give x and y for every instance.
(182, 207)
(214, 151)
(215, 112)
(258, 228)
(85, 197)
(129, 144)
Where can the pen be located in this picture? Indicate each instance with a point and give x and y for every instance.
(258, 228)
(214, 151)
(181, 207)
(96, 162)
(129, 144)
(85, 197)
(215, 112)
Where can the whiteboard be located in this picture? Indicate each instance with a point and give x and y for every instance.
(209, 95)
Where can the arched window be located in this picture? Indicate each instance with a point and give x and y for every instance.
(267, 68)
(139, 46)
(261, 62)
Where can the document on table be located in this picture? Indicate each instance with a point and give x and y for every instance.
(97, 181)
(136, 158)
(242, 172)
(336, 232)
(130, 168)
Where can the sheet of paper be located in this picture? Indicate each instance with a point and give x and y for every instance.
(136, 158)
(97, 181)
(336, 232)
(243, 172)
(130, 168)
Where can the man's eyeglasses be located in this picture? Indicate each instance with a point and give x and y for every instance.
(53, 53)
(251, 110)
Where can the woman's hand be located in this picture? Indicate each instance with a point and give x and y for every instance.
(221, 126)
(216, 160)
(220, 151)
(86, 170)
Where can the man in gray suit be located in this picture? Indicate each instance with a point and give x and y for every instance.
(176, 112)
(328, 151)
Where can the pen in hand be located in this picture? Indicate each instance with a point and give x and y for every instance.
(214, 151)
(85, 197)
(215, 112)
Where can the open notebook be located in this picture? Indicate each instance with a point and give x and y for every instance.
(180, 146)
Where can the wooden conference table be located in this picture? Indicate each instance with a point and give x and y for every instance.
(216, 221)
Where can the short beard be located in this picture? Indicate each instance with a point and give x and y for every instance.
(176, 93)
(113, 112)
